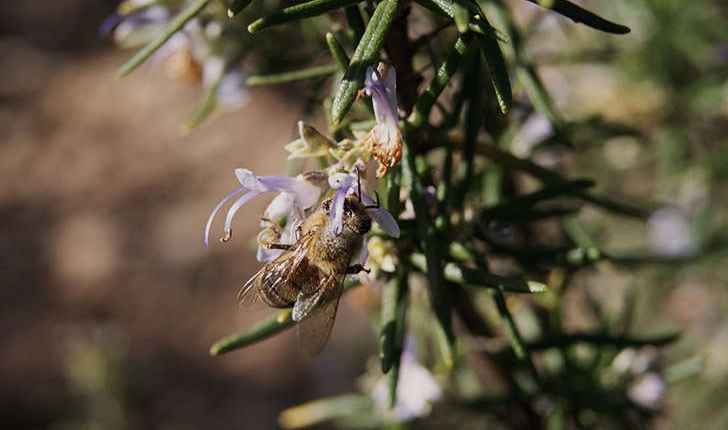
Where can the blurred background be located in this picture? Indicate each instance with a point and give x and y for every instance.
(110, 301)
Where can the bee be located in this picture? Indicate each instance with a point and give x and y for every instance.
(309, 274)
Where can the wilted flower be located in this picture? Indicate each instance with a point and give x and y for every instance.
(304, 193)
(384, 141)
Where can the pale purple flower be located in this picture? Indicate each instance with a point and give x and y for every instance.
(136, 27)
(417, 389)
(231, 92)
(648, 390)
(670, 234)
(304, 194)
(384, 141)
(382, 88)
(343, 183)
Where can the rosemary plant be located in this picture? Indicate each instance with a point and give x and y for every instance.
(476, 242)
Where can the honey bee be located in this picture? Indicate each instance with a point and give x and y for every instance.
(309, 274)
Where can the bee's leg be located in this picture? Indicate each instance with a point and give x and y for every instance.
(299, 231)
(356, 269)
(270, 236)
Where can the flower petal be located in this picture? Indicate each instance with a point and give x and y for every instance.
(306, 193)
(341, 180)
(214, 212)
(381, 216)
(250, 180)
(234, 208)
(281, 206)
(336, 216)
(264, 255)
(383, 93)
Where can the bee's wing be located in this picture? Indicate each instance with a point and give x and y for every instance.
(274, 275)
(316, 313)
(249, 296)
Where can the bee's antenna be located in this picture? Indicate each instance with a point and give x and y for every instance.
(374, 206)
(358, 182)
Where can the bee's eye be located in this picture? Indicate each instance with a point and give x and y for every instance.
(347, 208)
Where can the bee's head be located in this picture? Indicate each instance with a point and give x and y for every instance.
(355, 216)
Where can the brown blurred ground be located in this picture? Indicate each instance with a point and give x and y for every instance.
(110, 301)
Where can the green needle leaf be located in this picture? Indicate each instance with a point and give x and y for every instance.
(365, 55)
(207, 107)
(440, 7)
(462, 16)
(335, 408)
(519, 348)
(481, 277)
(298, 75)
(263, 330)
(299, 11)
(391, 337)
(428, 236)
(237, 6)
(581, 15)
(444, 74)
(486, 279)
(498, 70)
(524, 70)
(356, 22)
(683, 370)
(177, 23)
(338, 52)
(567, 339)
(515, 205)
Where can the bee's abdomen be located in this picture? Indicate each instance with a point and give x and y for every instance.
(282, 290)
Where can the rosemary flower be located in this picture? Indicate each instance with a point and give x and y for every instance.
(305, 195)
(384, 141)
